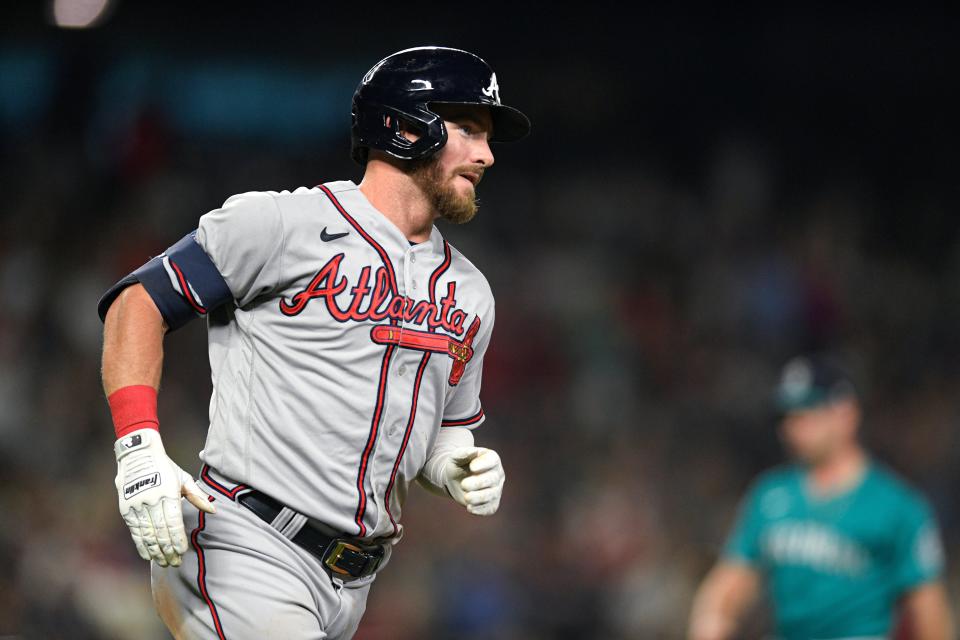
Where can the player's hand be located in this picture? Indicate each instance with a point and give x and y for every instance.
(474, 477)
(149, 485)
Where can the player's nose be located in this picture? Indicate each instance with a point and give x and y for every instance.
(482, 154)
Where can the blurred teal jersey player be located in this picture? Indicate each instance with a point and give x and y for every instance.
(849, 556)
(841, 544)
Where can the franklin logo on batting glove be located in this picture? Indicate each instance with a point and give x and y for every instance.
(135, 487)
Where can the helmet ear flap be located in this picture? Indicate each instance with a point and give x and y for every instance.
(399, 126)
(382, 127)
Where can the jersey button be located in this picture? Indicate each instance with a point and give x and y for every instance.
(402, 370)
(413, 257)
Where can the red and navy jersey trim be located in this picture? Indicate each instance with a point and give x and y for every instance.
(439, 271)
(218, 487)
(434, 277)
(406, 436)
(463, 422)
(372, 439)
(387, 263)
(384, 367)
(202, 576)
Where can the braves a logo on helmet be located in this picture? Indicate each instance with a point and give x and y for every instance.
(493, 91)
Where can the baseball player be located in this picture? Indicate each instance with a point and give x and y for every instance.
(346, 344)
(839, 540)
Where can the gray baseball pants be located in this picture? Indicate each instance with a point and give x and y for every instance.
(241, 579)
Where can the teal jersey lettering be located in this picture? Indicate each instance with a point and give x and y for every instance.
(835, 566)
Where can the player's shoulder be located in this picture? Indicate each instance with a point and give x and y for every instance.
(771, 493)
(298, 194)
(339, 186)
(290, 206)
(290, 199)
(267, 199)
(775, 478)
(894, 487)
(466, 269)
(248, 214)
(462, 262)
(249, 200)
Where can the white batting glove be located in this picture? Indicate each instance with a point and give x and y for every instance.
(149, 485)
(474, 477)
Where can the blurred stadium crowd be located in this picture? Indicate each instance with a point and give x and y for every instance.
(641, 321)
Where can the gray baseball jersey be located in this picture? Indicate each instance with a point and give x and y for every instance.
(337, 349)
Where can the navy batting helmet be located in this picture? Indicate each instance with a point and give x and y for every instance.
(403, 86)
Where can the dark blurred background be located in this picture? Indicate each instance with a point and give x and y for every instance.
(705, 193)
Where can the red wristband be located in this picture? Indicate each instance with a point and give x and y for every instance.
(134, 407)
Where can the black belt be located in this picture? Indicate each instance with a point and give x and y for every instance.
(346, 557)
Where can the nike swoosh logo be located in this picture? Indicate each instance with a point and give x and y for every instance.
(327, 237)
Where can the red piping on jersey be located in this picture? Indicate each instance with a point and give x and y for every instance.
(463, 422)
(438, 272)
(202, 576)
(185, 289)
(381, 389)
(230, 493)
(406, 436)
(441, 344)
(372, 438)
(366, 236)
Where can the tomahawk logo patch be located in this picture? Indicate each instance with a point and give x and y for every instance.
(141, 484)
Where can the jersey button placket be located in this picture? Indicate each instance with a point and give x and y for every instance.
(409, 258)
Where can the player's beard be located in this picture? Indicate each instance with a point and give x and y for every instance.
(442, 195)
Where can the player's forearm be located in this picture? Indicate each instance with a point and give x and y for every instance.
(431, 477)
(939, 627)
(720, 603)
(710, 619)
(132, 341)
(928, 613)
